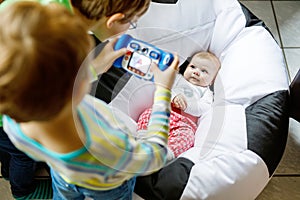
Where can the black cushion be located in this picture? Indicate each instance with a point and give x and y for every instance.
(295, 98)
(168, 183)
(267, 127)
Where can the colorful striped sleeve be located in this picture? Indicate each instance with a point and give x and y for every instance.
(130, 155)
(150, 152)
(159, 119)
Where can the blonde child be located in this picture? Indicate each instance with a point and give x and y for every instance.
(106, 18)
(44, 81)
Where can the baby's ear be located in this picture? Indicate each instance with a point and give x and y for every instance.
(114, 18)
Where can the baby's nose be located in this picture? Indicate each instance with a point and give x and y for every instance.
(196, 72)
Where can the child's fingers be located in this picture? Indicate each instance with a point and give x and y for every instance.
(175, 63)
(107, 56)
(118, 53)
(115, 53)
(166, 78)
(112, 42)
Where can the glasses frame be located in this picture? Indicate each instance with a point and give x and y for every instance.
(133, 25)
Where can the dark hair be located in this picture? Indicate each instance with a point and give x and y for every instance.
(96, 9)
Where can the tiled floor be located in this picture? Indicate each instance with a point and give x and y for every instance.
(283, 19)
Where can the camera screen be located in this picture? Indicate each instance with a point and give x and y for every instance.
(139, 64)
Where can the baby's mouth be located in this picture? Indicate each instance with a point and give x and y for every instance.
(194, 80)
(195, 77)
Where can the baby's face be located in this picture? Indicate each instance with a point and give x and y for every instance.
(201, 71)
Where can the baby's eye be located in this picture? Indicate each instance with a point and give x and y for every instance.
(204, 71)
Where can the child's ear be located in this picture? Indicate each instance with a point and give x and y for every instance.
(114, 18)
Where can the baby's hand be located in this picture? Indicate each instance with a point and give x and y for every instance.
(179, 101)
(107, 56)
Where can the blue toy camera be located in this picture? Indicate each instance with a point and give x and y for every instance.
(139, 56)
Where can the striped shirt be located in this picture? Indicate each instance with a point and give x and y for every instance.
(111, 154)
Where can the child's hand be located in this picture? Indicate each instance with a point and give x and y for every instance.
(166, 78)
(179, 102)
(107, 56)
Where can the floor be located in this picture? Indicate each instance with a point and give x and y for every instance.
(283, 19)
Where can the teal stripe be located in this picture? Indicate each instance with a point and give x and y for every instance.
(1, 121)
(165, 128)
(148, 149)
(164, 113)
(159, 121)
(87, 168)
(68, 158)
(24, 137)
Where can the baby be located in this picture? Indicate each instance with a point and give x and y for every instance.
(191, 97)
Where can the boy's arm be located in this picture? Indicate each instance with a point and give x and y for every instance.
(126, 152)
(130, 155)
(105, 59)
(152, 150)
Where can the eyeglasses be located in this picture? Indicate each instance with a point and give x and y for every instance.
(133, 25)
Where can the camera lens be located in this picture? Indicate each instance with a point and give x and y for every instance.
(144, 50)
(154, 55)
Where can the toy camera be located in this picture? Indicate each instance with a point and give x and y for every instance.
(139, 56)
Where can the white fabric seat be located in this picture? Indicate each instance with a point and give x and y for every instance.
(227, 161)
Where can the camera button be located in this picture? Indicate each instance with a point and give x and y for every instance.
(134, 46)
(154, 55)
(166, 60)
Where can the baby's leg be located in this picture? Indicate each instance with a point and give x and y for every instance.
(180, 140)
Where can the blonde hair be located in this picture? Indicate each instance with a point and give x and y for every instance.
(96, 9)
(208, 55)
(42, 49)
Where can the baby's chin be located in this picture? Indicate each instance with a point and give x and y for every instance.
(195, 81)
